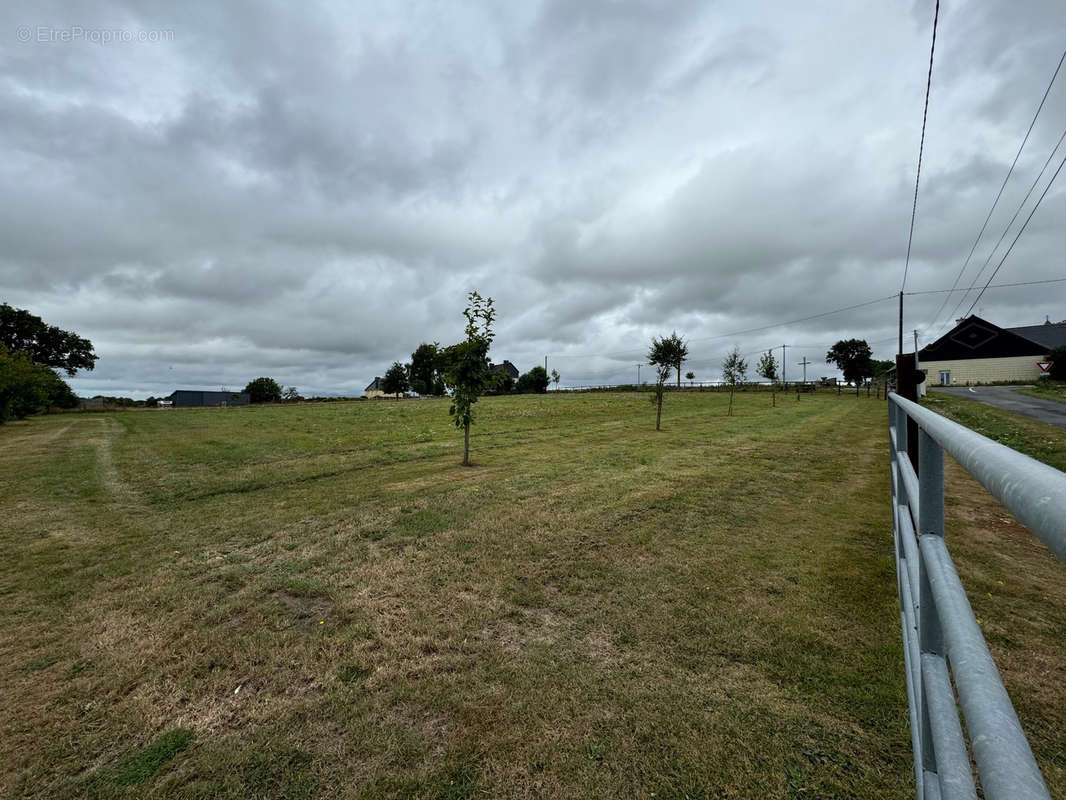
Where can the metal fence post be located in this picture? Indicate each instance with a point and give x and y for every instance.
(930, 523)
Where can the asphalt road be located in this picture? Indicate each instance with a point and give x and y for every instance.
(1009, 399)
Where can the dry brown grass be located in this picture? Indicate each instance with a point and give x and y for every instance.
(335, 609)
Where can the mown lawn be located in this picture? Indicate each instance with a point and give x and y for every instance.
(1048, 390)
(317, 601)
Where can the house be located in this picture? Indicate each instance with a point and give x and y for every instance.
(505, 368)
(978, 351)
(194, 398)
(374, 389)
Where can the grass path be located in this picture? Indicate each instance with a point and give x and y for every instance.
(316, 601)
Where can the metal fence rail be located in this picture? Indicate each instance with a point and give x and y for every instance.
(939, 627)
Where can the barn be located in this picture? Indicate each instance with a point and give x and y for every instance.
(978, 351)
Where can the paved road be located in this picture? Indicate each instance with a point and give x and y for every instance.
(1009, 399)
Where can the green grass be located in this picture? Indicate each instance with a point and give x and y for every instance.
(335, 608)
(140, 766)
(1036, 439)
(1048, 390)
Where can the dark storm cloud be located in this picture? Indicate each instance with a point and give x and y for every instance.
(310, 192)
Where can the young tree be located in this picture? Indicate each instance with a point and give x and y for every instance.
(555, 378)
(22, 332)
(467, 365)
(678, 349)
(263, 390)
(767, 366)
(664, 355)
(735, 370)
(291, 394)
(853, 357)
(424, 370)
(689, 376)
(533, 382)
(395, 380)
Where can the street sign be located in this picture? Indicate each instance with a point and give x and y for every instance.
(1044, 365)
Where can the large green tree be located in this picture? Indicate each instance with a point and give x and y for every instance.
(26, 387)
(466, 365)
(424, 369)
(22, 332)
(263, 390)
(395, 380)
(854, 358)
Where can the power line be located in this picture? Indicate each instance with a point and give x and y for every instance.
(993, 286)
(794, 321)
(999, 194)
(1021, 230)
(628, 353)
(1006, 229)
(921, 147)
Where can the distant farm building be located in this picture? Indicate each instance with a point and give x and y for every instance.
(374, 389)
(505, 368)
(977, 351)
(194, 398)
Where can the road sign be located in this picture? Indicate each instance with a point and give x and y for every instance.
(1044, 365)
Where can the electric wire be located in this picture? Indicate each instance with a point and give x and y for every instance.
(1006, 229)
(921, 147)
(999, 194)
(1021, 230)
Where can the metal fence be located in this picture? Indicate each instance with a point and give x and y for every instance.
(939, 627)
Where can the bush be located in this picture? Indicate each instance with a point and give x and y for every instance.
(26, 388)
(1058, 365)
(533, 382)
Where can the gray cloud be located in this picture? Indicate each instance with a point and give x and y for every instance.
(311, 193)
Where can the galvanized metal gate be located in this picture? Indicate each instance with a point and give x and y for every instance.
(941, 637)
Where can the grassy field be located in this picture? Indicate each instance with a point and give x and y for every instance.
(1048, 390)
(317, 601)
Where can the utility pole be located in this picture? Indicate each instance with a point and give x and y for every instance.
(638, 376)
(783, 366)
(916, 345)
(900, 351)
(545, 365)
(804, 364)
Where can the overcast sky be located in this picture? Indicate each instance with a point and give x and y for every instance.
(211, 192)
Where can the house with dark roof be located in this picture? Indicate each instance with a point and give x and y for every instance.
(978, 351)
(194, 398)
(374, 389)
(505, 368)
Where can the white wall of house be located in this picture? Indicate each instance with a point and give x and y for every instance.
(983, 370)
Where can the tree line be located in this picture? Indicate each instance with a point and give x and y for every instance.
(853, 357)
(426, 374)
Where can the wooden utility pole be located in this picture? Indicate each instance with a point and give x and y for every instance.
(638, 376)
(907, 388)
(804, 364)
(900, 322)
(783, 363)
